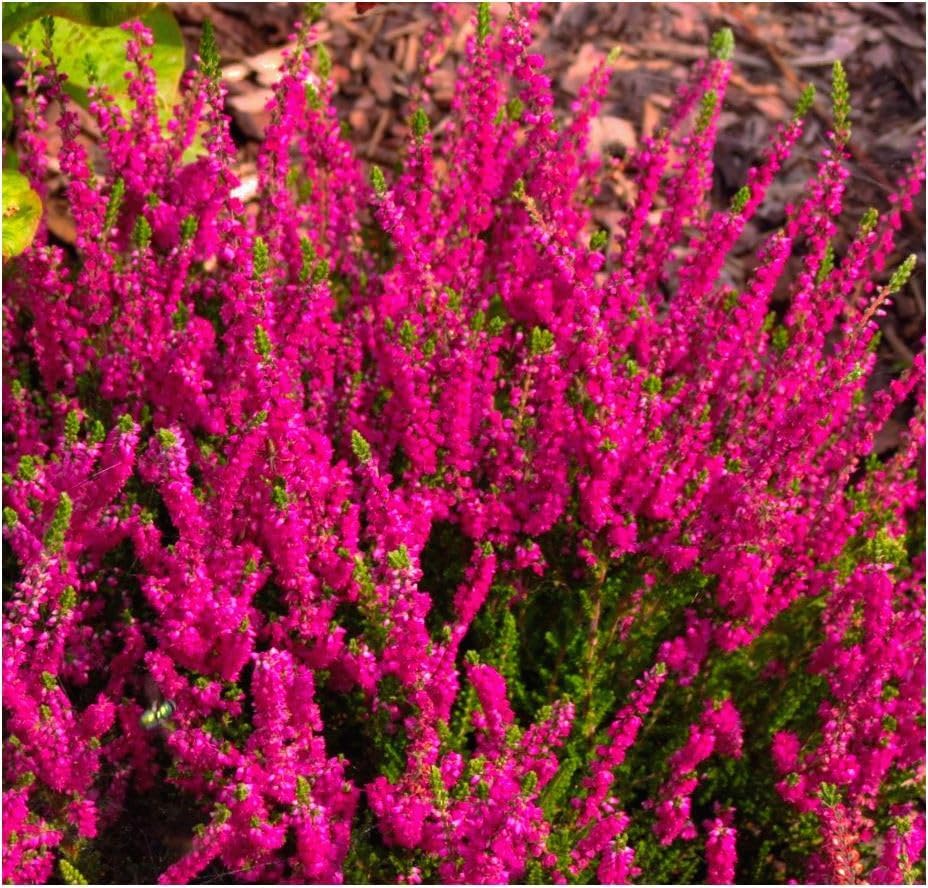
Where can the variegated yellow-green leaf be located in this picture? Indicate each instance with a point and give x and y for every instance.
(22, 210)
(84, 48)
(101, 15)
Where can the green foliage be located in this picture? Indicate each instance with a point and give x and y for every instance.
(22, 211)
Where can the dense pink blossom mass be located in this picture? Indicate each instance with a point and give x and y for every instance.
(402, 526)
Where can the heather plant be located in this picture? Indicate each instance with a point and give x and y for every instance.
(411, 529)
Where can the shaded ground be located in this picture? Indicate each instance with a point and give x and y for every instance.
(780, 48)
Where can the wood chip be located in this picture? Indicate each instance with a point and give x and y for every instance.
(607, 133)
(580, 69)
(380, 78)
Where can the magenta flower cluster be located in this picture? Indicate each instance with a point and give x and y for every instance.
(233, 431)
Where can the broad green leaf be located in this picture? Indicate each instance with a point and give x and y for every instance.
(22, 210)
(80, 47)
(101, 15)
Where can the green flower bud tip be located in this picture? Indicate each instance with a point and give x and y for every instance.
(180, 318)
(902, 274)
(722, 44)
(188, 228)
(166, 438)
(321, 271)
(141, 233)
(125, 424)
(323, 61)
(740, 200)
(805, 102)
(378, 182)
(279, 494)
(496, 326)
(68, 600)
(868, 221)
(542, 341)
(308, 252)
(314, 12)
(262, 342)
(398, 559)
(419, 123)
(483, 22)
(599, 240)
(114, 204)
(54, 538)
(514, 109)
(312, 97)
(407, 334)
(260, 258)
(72, 427)
(653, 384)
(828, 263)
(209, 52)
(360, 448)
(706, 110)
(27, 470)
(70, 874)
(841, 102)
